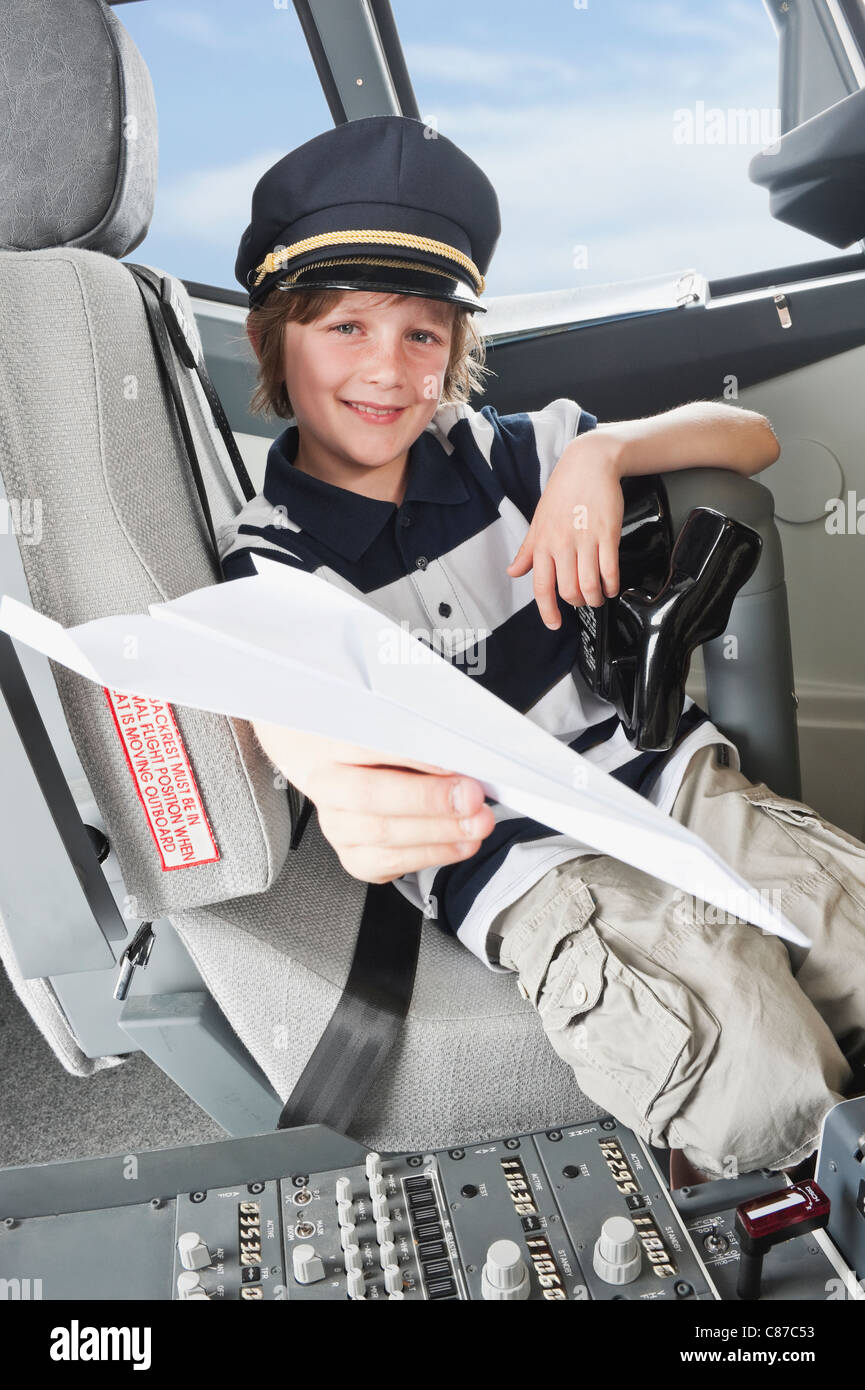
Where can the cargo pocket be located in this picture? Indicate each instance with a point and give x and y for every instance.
(839, 854)
(637, 1045)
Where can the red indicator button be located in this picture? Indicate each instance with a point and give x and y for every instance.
(790, 1210)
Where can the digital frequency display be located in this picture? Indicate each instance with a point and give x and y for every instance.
(659, 1257)
(540, 1251)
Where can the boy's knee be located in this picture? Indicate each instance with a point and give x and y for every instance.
(726, 1140)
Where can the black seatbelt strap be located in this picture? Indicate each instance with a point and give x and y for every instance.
(165, 357)
(300, 825)
(187, 347)
(366, 1022)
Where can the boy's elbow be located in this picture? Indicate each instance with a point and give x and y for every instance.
(768, 448)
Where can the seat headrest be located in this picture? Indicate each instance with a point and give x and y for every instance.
(78, 133)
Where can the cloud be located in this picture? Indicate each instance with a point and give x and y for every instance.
(616, 182)
(212, 205)
(734, 23)
(239, 27)
(194, 27)
(486, 67)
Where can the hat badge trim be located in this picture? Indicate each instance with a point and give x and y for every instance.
(275, 260)
(391, 261)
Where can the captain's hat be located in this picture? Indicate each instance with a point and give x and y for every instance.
(383, 203)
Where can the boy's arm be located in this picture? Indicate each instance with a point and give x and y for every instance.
(698, 435)
(572, 545)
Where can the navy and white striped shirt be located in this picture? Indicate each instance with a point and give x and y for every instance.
(437, 562)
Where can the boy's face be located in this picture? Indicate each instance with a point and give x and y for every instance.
(386, 351)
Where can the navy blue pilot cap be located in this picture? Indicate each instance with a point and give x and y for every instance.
(382, 203)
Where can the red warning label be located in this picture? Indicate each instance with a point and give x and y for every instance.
(163, 779)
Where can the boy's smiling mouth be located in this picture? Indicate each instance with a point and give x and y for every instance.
(376, 414)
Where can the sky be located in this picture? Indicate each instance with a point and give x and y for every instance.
(585, 114)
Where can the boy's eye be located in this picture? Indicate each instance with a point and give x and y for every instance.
(419, 332)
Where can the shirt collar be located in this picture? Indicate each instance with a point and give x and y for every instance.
(347, 521)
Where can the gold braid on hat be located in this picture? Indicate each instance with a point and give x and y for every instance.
(275, 259)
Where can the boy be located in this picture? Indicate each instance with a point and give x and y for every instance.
(365, 260)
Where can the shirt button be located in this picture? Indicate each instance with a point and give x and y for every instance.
(421, 562)
(405, 520)
(579, 993)
(445, 610)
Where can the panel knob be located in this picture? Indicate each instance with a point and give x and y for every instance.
(308, 1267)
(384, 1229)
(343, 1189)
(354, 1284)
(189, 1286)
(393, 1279)
(379, 1207)
(505, 1275)
(617, 1257)
(193, 1253)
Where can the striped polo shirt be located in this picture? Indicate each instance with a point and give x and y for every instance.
(437, 564)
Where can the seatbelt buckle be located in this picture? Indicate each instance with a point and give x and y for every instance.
(136, 953)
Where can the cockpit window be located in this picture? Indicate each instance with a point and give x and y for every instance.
(618, 134)
(235, 90)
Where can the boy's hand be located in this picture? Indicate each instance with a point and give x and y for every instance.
(383, 818)
(573, 541)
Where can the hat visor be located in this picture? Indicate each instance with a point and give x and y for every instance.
(428, 284)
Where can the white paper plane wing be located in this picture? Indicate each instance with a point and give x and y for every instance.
(291, 649)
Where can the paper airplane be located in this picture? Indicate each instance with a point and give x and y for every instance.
(291, 649)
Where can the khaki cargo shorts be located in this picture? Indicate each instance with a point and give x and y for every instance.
(696, 1029)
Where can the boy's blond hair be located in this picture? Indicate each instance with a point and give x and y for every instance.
(464, 374)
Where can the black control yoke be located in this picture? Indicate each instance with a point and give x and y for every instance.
(635, 650)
